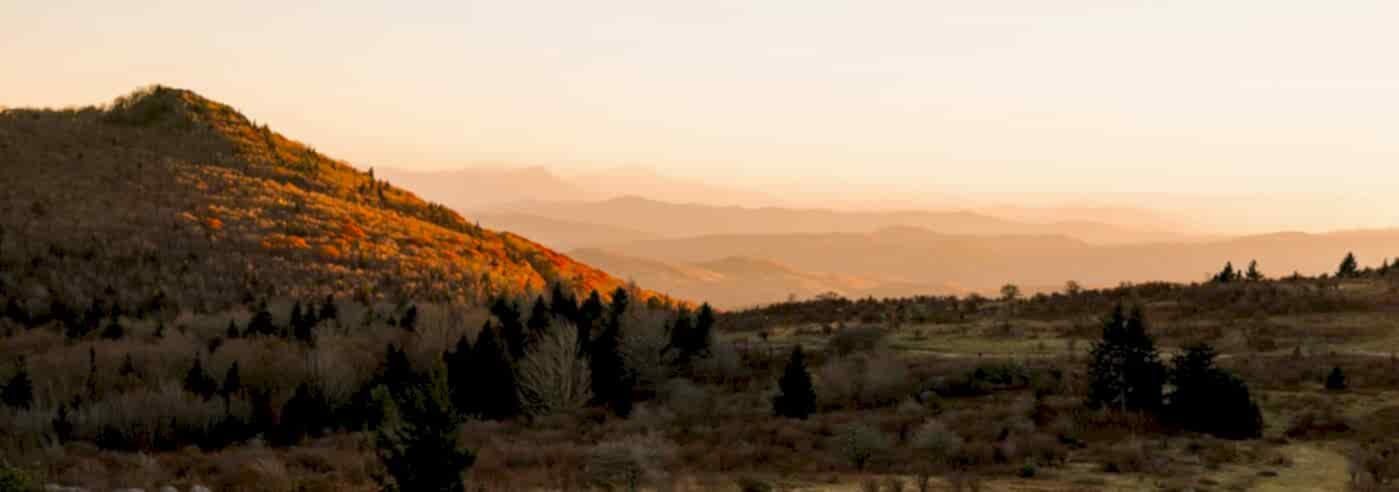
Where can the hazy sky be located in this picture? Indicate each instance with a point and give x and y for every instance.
(1064, 95)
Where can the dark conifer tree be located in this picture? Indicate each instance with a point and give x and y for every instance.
(798, 399)
(681, 337)
(398, 371)
(512, 330)
(1253, 274)
(1349, 267)
(63, 424)
(496, 395)
(232, 331)
(328, 309)
(232, 382)
(459, 378)
(306, 414)
(19, 392)
(198, 382)
(1125, 371)
(409, 320)
(611, 382)
(296, 321)
(701, 338)
(261, 324)
(1336, 379)
(1208, 399)
(562, 303)
(113, 331)
(621, 301)
(1227, 274)
(539, 318)
(419, 448)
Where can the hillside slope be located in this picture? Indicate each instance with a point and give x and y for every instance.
(168, 195)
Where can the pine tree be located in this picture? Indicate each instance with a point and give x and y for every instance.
(261, 324)
(496, 397)
(304, 331)
(1336, 380)
(562, 304)
(232, 382)
(306, 414)
(512, 331)
(19, 392)
(620, 303)
(1349, 267)
(611, 382)
(1253, 275)
(1227, 274)
(232, 331)
(409, 321)
(798, 399)
(199, 382)
(62, 424)
(1208, 399)
(459, 378)
(418, 447)
(539, 318)
(328, 309)
(113, 331)
(398, 371)
(1125, 370)
(297, 321)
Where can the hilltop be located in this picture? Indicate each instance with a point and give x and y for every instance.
(166, 195)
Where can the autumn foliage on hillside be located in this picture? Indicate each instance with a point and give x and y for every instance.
(165, 193)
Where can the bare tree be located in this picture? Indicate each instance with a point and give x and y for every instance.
(554, 376)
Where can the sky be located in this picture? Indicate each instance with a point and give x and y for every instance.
(1070, 96)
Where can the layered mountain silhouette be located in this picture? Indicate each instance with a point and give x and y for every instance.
(168, 194)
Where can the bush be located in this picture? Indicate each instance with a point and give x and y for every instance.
(16, 480)
(630, 462)
(858, 443)
(856, 339)
(936, 443)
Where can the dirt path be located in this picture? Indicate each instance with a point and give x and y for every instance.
(1314, 468)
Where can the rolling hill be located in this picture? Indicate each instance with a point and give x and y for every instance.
(167, 195)
(983, 263)
(674, 220)
(738, 282)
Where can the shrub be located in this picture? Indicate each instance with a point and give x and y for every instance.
(419, 446)
(936, 443)
(555, 375)
(856, 339)
(858, 443)
(1336, 380)
(16, 480)
(630, 462)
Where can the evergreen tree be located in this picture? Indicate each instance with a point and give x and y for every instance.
(261, 324)
(304, 331)
(798, 399)
(297, 322)
(458, 363)
(199, 382)
(113, 331)
(512, 330)
(159, 330)
(1349, 267)
(1208, 399)
(620, 302)
(419, 446)
(586, 318)
(232, 331)
(63, 424)
(409, 321)
(232, 382)
(328, 309)
(539, 318)
(562, 304)
(702, 336)
(306, 414)
(1125, 370)
(497, 398)
(611, 382)
(398, 371)
(1227, 274)
(1253, 275)
(1336, 380)
(19, 392)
